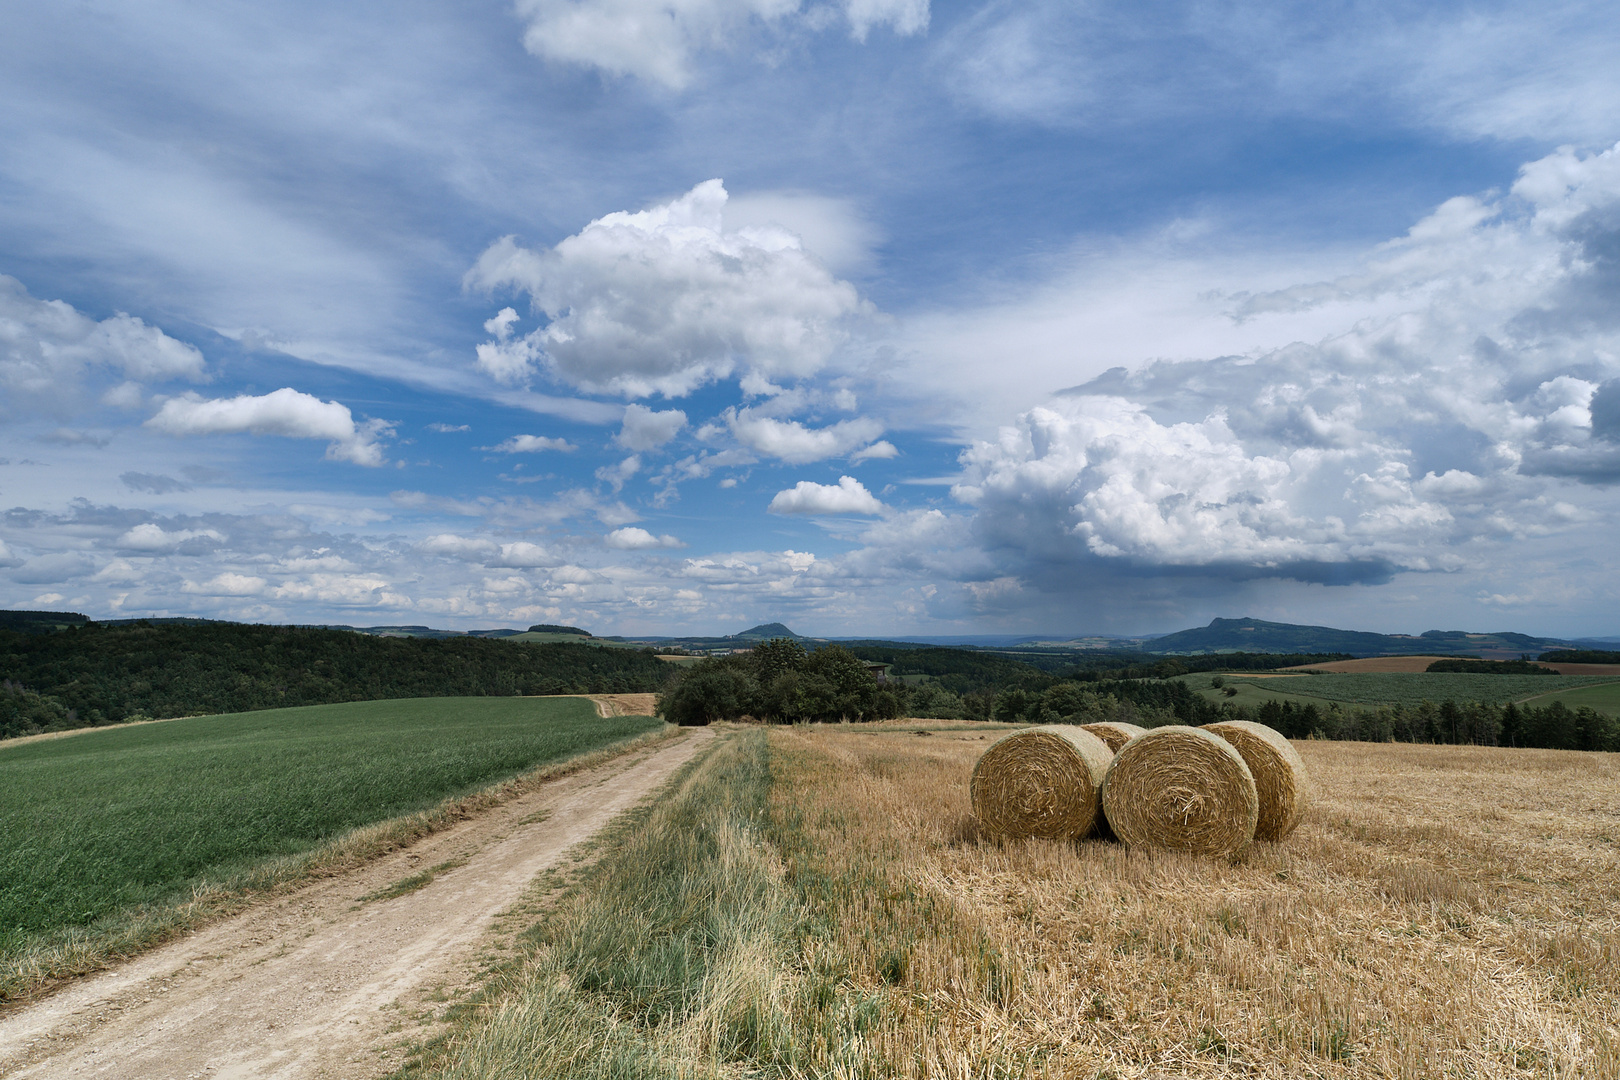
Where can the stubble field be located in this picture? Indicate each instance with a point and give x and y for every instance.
(818, 901)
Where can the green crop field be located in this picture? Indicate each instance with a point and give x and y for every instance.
(120, 818)
(1604, 698)
(1404, 688)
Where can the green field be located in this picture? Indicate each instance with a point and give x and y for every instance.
(1605, 698)
(119, 818)
(1406, 688)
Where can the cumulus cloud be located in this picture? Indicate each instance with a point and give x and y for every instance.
(657, 40)
(533, 444)
(1455, 416)
(795, 443)
(848, 496)
(645, 429)
(665, 300)
(47, 347)
(631, 538)
(285, 412)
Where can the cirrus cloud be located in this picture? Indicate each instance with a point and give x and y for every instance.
(657, 40)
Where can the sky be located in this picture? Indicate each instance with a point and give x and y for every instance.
(872, 317)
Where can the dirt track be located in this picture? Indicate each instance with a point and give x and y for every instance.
(314, 984)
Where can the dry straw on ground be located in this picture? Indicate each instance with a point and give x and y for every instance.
(1043, 782)
(1280, 779)
(1115, 733)
(1181, 789)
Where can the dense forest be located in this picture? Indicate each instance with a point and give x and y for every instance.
(98, 674)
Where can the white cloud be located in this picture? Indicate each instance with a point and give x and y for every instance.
(663, 301)
(657, 40)
(645, 429)
(47, 347)
(151, 537)
(1448, 416)
(631, 538)
(881, 450)
(227, 584)
(447, 429)
(848, 496)
(521, 554)
(832, 228)
(618, 475)
(458, 547)
(533, 444)
(796, 444)
(285, 412)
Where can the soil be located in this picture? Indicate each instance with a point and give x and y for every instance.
(323, 982)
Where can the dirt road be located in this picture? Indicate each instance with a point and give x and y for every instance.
(319, 983)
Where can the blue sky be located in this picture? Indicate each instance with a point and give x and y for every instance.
(875, 316)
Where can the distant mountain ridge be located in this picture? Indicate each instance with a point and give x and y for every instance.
(1257, 635)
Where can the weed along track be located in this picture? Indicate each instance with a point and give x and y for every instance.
(329, 980)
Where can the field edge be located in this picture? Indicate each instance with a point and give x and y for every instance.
(41, 968)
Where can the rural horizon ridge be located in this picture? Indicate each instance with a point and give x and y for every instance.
(1268, 636)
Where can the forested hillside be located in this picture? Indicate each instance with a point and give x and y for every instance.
(98, 674)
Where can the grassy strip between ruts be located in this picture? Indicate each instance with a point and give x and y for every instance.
(34, 961)
(819, 904)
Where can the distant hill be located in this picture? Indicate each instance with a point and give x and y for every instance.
(766, 631)
(554, 628)
(1257, 635)
(40, 622)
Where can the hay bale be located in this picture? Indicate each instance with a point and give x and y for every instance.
(1181, 789)
(1041, 782)
(1280, 779)
(1114, 734)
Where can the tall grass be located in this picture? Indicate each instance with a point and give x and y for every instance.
(106, 837)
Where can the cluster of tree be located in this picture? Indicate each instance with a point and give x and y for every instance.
(780, 681)
(1580, 656)
(98, 674)
(1490, 667)
(958, 671)
(1550, 727)
(1141, 666)
(1149, 704)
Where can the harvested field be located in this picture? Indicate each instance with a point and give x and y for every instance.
(1441, 911)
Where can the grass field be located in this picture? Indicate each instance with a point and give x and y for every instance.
(1394, 688)
(1604, 698)
(819, 902)
(120, 819)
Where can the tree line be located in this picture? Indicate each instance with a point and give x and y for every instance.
(781, 682)
(96, 674)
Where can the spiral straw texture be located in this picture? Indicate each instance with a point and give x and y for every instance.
(1115, 734)
(1182, 789)
(1041, 782)
(1280, 779)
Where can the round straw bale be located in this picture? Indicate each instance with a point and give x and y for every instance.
(1114, 734)
(1280, 779)
(1182, 789)
(1043, 781)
